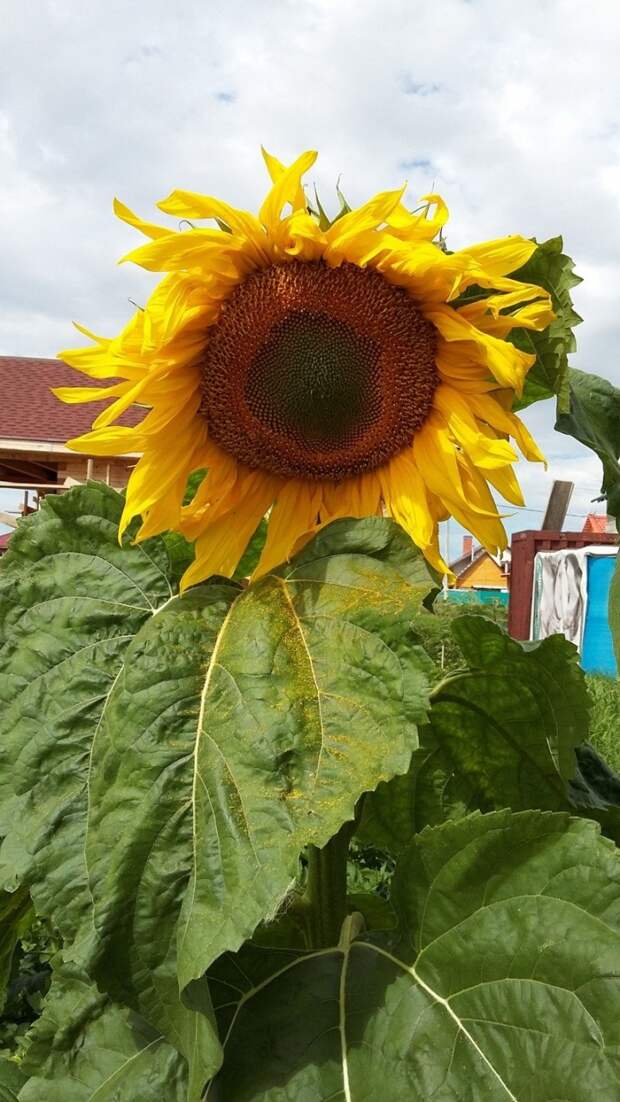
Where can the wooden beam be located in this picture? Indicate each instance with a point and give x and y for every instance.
(36, 471)
(6, 518)
(7, 485)
(557, 506)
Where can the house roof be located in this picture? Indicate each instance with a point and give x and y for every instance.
(595, 522)
(460, 565)
(29, 411)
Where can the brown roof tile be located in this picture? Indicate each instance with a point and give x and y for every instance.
(29, 411)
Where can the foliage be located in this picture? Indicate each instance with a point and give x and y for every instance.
(463, 997)
(27, 982)
(301, 838)
(593, 418)
(434, 629)
(195, 747)
(550, 268)
(502, 733)
(605, 717)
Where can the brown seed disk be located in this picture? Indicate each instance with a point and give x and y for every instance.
(318, 373)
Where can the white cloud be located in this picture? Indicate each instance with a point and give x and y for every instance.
(509, 110)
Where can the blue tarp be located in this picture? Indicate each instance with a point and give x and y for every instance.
(477, 596)
(597, 655)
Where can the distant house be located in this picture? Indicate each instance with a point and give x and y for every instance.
(598, 523)
(475, 568)
(34, 426)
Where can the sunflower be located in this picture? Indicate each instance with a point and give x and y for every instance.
(315, 370)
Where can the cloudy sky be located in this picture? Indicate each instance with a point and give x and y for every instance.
(509, 110)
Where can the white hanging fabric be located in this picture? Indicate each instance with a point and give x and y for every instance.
(560, 592)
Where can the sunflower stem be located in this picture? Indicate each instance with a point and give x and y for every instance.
(326, 889)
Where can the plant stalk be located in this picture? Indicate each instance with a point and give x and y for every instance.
(325, 899)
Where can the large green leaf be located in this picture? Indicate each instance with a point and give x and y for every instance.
(11, 1079)
(501, 986)
(71, 600)
(84, 1048)
(594, 791)
(502, 732)
(593, 418)
(595, 784)
(244, 725)
(550, 268)
(512, 720)
(15, 918)
(431, 791)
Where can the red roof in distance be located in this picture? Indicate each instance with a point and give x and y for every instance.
(595, 522)
(29, 411)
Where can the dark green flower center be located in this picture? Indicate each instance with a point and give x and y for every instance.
(316, 377)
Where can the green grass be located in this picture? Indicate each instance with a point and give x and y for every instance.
(605, 718)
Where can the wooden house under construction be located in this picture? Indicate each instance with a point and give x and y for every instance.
(34, 426)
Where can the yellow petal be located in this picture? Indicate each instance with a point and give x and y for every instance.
(372, 214)
(501, 256)
(211, 250)
(117, 440)
(103, 341)
(214, 491)
(359, 496)
(305, 238)
(75, 394)
(276, 169)
(486, 315)
(488, 454)
(164, 515)
(427, 272)
(405, 497)
(285, 190)
(506, 482)
(100, 363)
(188, 204)
(354, 497)
(480, 516)
(223, 541)
(487, 409)
(295, 510)
(505, 362)
(436, 458)
(164, 461)
(175, 305)
(149, 229)
(419, 225)
(168, 419)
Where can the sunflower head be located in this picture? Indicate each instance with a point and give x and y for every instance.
(315, 369)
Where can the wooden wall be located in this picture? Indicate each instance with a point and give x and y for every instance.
(483, 572)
